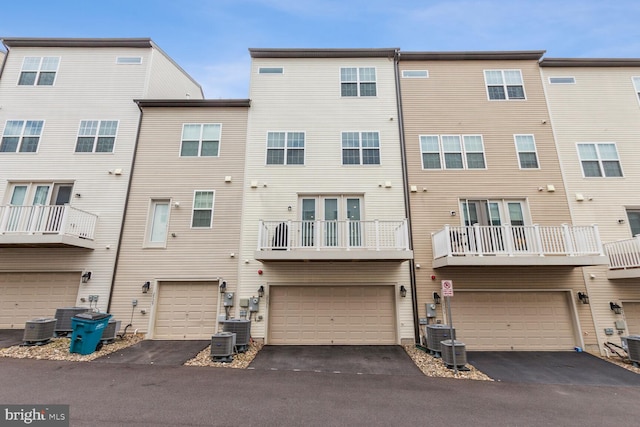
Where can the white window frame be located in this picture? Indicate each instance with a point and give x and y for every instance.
(129, 60)
(194, 208)
(97, 135)
(562, 80)
(200, 139)
(22, 135)
(151, 223)
(463, 151)
(518, 151)
(359, 81)
(599, 159)
(286, 148)
(636, 85)
(39, 70)
(505, 86)
(271, 70)
(360, 148)
(415, 74)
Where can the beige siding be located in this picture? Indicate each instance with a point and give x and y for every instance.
(169, 80)
(306, 98)
(453, 100)
(602, 106)
(162, 174)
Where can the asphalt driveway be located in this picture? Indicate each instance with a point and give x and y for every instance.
(150, 352)
(551, 368)
(352, 359)
(11, 337)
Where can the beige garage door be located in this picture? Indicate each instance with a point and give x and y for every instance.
(186, 310)
(513, 320)
(632, 316)
(25, 296)
(324, 315)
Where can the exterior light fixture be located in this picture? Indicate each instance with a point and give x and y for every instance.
(436, 298)
(86, 277)
(223, 287)
(403, 291)
(145, 287)
(583, 297)
(615, 308)
(261, 291)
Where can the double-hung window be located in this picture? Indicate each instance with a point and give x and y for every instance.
(39, 71)
(360, 148)
(202, 209)
(504, 84)
(200, 140)
(599, 159)
(285, 148)
(452, 151)
(526, 148)
(21, 136)
(96, 136)
(356, 81)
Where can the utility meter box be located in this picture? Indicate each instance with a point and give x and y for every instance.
(228, 299)
(431, 309)
(254, 303)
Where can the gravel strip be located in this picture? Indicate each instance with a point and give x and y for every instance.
(433, 367)
(58, 349)
(626, 364)
(240, 360)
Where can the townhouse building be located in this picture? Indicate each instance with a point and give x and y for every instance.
(68, 125)
(595, 112)
(489, 210)
(181, 235)
(324, 223)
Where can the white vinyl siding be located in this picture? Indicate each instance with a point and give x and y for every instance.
(527, 154)
(21, 136)
(599, 160)
(452, 152)
(285, 148)
(202, 216)
(96, 136)
(200, 140)
(39, 71)
(358, 81)
(504, 84)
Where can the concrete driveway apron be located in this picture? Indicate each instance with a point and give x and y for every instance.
(382, 360)
(551, 368)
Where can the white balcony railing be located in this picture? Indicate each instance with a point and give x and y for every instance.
(47, 220)
(508, 240)
(333, 235)
(624, 254)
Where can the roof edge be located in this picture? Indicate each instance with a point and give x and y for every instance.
(323, 53)
(473, 55)
(77, 42)
(146, 103)
(590, 62)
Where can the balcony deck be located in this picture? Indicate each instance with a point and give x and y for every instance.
(624, 258)
(507, 245)
(46, 226)
(333, 241)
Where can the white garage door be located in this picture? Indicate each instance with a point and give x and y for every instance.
(513, 321)
(631, 312)
(324, 315)
(26, 296)
(186, 310)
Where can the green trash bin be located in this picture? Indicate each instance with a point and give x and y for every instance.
(87, 332)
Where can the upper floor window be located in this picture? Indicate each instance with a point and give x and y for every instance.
(526, 148)
(455, 151)
(636, 85)
(599, 160)
(270, 70)
(200, 140)
(415, 74)
(504, 84)
(202, 209)
(96, 136)
(360, 148)
(158, 223)
(562, 80)
(285, 148)
(358, 81)
(21, 136)
(38, 71)
(129, 60)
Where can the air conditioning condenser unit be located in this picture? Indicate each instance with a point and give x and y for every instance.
(39, 331)
(222, 345)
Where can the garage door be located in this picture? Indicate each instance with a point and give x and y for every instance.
(631, 312)
(513, 320)
(25, 296)
(325, 315)
(186, 310)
